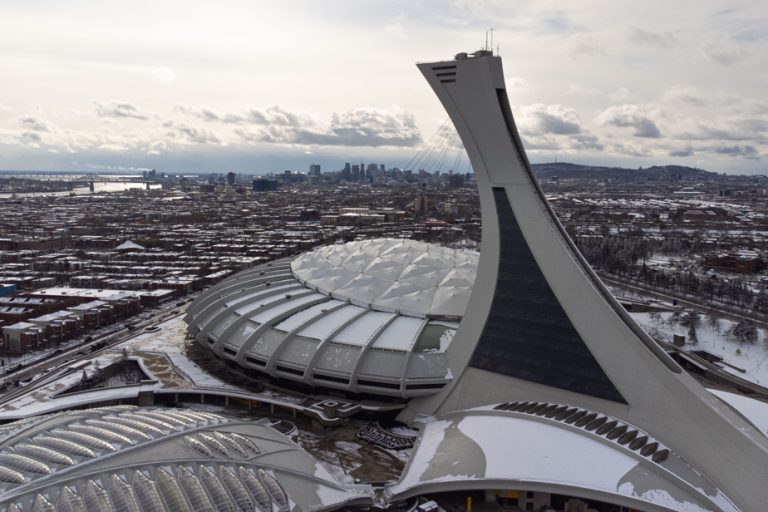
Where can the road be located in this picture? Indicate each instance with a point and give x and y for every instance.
(721, 311)
(74, 354)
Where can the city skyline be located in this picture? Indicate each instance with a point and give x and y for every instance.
(92, 87)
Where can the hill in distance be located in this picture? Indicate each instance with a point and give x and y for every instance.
(563, 170)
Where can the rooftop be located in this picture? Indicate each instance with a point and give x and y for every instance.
(391, 275)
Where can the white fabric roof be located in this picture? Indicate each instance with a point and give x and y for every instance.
(129, 245)
(396, 275)
(476, 449)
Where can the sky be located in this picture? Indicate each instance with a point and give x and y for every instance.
(263, 86)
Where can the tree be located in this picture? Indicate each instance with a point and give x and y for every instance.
(744, 330)
(750, 334)
(692, 336)
(714, 322)
(761, 302)
(690, 319)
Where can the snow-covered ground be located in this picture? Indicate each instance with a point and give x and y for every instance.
(713, 337)
(170, 341)
(43, 394)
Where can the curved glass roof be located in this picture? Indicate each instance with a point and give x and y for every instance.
(394, 275)
(207, 462)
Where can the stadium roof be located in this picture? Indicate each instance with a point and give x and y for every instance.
(534, 446)
(374, 316)
(393, 275)
(128, 458)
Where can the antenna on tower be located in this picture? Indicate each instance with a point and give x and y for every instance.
(486, 41)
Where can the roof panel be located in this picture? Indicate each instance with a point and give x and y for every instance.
(270, 313)
(400, 334)
(374, 271)
(325, 325)
(299, 350)
(360, 331)
(268, 342)
(296, 320)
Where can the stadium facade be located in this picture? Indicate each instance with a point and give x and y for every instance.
(374, 316)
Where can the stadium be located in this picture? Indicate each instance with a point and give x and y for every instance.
(374, 316)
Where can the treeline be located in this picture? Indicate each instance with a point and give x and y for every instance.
(615, 254)
(625, 255)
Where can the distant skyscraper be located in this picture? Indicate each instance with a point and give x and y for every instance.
(456, 180)
(263, 185)
(314, 170)
(420, 206)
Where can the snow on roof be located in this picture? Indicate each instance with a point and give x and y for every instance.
(363, 328)
(754, 410)
(294, 321)
(276, 311)
(471, 449)
(326, 325)
(20, 326)
(400, 334)
(407, 276)
(129, 245)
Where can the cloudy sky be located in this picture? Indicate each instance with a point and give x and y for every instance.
(258, 86)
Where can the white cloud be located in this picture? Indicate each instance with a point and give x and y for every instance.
(163, 75)
(35, 124)
(620, 94)
(724, 51)
(357, 127)
(686, 95)
(652, 38)
(549, 119)
(517, 83)
(631, 116)
(587, 45)
(215, 61)
(157, 147)
(580, 90)
(395, 30)
(119, 109)
(187, 133)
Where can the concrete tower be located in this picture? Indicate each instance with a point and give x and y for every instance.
(541, 326)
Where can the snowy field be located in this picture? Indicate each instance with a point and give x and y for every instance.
(714, 336)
